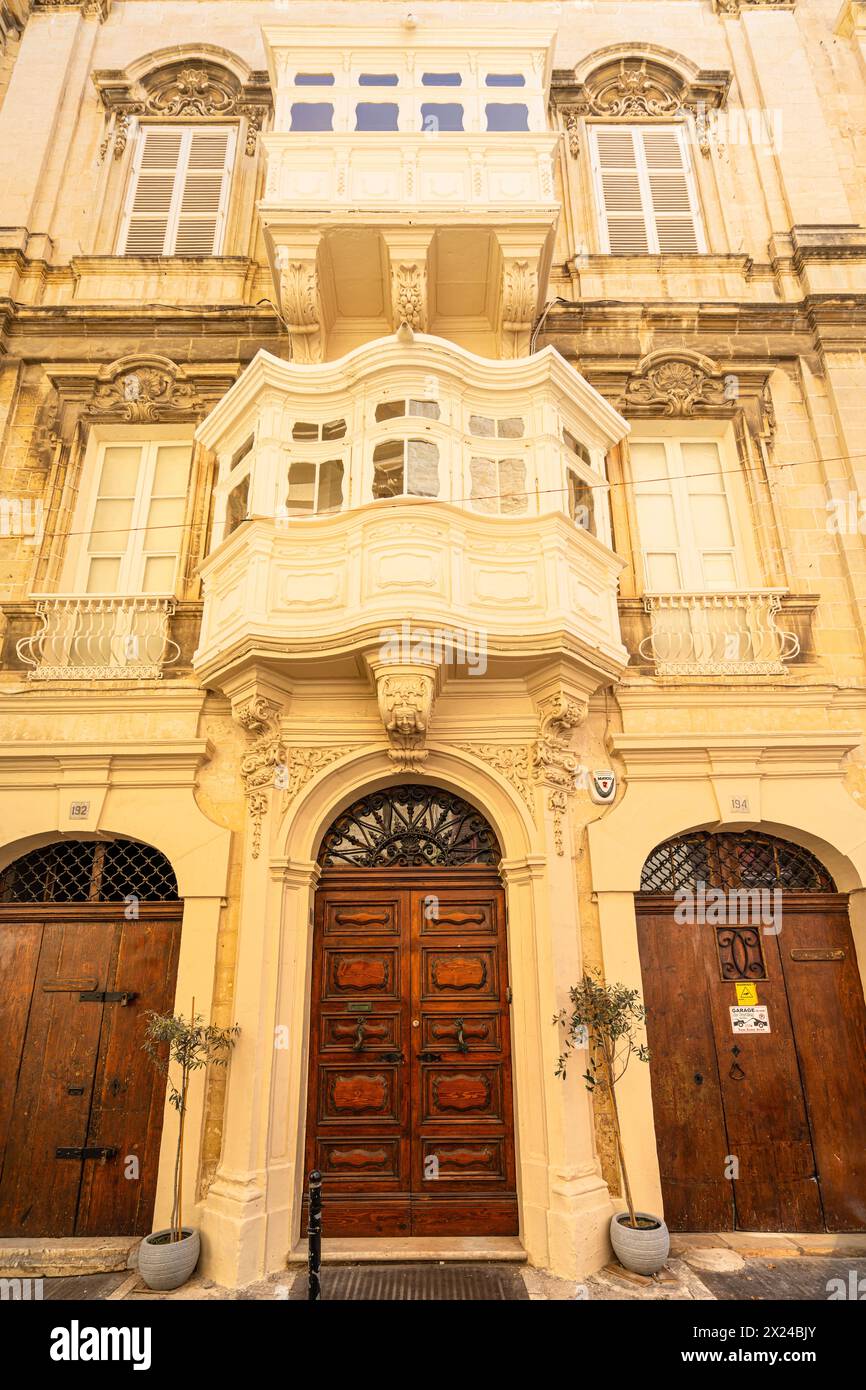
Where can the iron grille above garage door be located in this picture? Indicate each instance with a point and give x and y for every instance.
(746, 859)
(89, 871)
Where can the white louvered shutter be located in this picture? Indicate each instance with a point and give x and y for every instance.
(646, 197)
(179, 190)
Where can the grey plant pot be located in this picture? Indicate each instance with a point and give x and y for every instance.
(641, 1251)
(167, 1266)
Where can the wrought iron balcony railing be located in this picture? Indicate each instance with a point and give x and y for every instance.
(90, 637)
(717, 634)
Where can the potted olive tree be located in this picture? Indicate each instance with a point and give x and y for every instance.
(167, 1258)
(607, 1021)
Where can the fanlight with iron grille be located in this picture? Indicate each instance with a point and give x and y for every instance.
(746, 859)
(89, 871)
(411, 825)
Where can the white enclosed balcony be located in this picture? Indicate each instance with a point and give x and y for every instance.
(410, 177)
(411, 481)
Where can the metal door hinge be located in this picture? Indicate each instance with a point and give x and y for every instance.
(508, 995)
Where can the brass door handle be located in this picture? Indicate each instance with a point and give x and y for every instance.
(358, 1044)
(462, 1044)
(429, 1056)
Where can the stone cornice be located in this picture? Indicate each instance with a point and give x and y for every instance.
(737, 7)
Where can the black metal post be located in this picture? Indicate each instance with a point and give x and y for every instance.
(314, 1232)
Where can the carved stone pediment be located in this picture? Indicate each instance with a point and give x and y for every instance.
(195, 88)
(140, 389)
(625, 86)
(672, 385)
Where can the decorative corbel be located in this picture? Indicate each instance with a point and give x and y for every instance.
(301, 302)
(553, 762)
(519, 303)
(260, 718)
(406, 693)
(409, 294)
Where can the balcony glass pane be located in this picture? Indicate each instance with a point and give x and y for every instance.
(378, 79)
(164, 524)
(390, 410)
(312, 115)
(719, 572)
(376, 115)
(663, 573)
(505, 79)
(111, 522)
(302, 429)
(388, 469)
(656, 519)
(301, 499)
(334, 429)
(119, 472)
(441, 79)
(483, 489)
(103, 574)
(331, 485)
(581, 503)
(236, 507)
(159, 574)
(511, 427)
(171, 474)
(512, 486)
(423, 468)
(442, 115)
(482, 425)
(314, 79)
(507, 115)
(428, 409)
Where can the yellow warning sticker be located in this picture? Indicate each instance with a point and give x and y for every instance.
(747, 994)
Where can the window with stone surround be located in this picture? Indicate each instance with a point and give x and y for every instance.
(178, 191)
(645, 190)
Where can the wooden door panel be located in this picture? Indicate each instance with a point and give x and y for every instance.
(39, 1192)
(762, 1099)
(459, 973)
(458, 1093)
(117, 1197)
(829, 1022)
(20, 943)
(690, 1128)
(358, 972)
(479, 1032)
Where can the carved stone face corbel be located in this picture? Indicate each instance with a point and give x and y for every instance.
(553, 762)
(406, 694)
(260, 718)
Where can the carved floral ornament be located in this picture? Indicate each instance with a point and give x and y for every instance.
(196, 89)
(136, 390)
(634, 86)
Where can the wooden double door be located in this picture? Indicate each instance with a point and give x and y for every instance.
(410, 1098)
(760, 1130)
(81, 1104)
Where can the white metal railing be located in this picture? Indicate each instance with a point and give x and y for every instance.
(717, 634)
(90, 638)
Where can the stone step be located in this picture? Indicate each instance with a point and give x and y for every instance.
(408, 1249)
(67, 1255)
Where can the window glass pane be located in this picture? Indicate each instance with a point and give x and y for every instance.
(703, 466)
(330, 485)
(301, 498)
(442, 115)
(159, 574)
(388, 469)
(302, 429)
(334, 429)
(482, 492)
(236, 508)
(429, 409)
(171, 473)
(378, 79)
(482, 426)
(649, 467)
(656, 520)
(441, 79)
(505, 79)
(102, 575)
(510, 428)
(390, 410)
(312, 115)
(576, 447)
(663, 573)
(314, 79)
(512, 486)
(423, 468)
(711, 521)
(719, 572)
(376, 115)
(507, 115)
(581, 507)
(119, 472)
(111, 523)
(164, 524)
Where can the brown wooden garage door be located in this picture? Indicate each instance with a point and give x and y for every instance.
(760, 1109)
(80, 1104)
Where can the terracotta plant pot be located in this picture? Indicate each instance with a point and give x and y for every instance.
(164, 1264)
(644, 1249)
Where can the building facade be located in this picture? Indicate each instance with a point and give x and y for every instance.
(432, 453)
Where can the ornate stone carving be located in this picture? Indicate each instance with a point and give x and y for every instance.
(145, 392)
(511, 761)
(303, 763)
(409, 294)
(519, 301)
(635, 85)
(405, 704)
(91, 9)
(677, 386)
(571, 122)
(553, 763)
(260, 719)
(302, 307)
(193, 89)
(734, 7)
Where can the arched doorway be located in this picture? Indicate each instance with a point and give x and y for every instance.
(410, 1115)
(757, 1032)
(89, 937)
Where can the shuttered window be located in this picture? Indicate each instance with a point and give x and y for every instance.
(685, 516)
(645, 190)
(178, 193)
